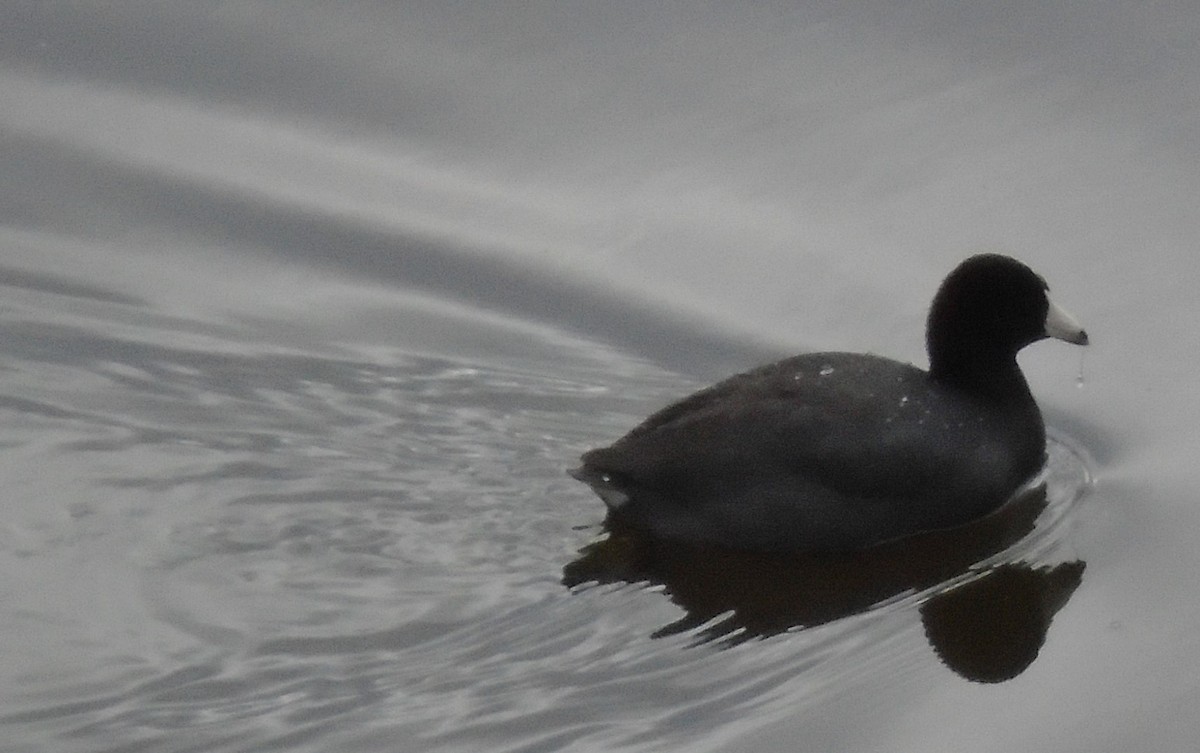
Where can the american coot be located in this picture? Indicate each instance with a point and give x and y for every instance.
(829, 452)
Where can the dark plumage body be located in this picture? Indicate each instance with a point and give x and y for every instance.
(839, 451)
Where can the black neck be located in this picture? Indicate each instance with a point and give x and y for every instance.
(987, 374)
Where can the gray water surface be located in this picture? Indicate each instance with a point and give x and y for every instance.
(304, 313)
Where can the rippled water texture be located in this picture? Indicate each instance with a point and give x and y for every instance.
(305, 312)
(272, 545)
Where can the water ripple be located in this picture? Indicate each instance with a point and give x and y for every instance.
(340, 550)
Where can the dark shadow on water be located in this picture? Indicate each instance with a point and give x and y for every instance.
(991, 629)
(987, 628)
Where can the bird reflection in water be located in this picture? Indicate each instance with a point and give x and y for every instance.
(987, 622)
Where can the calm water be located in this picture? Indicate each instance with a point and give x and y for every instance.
(306, 311)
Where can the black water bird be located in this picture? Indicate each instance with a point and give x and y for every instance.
(829, 452)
